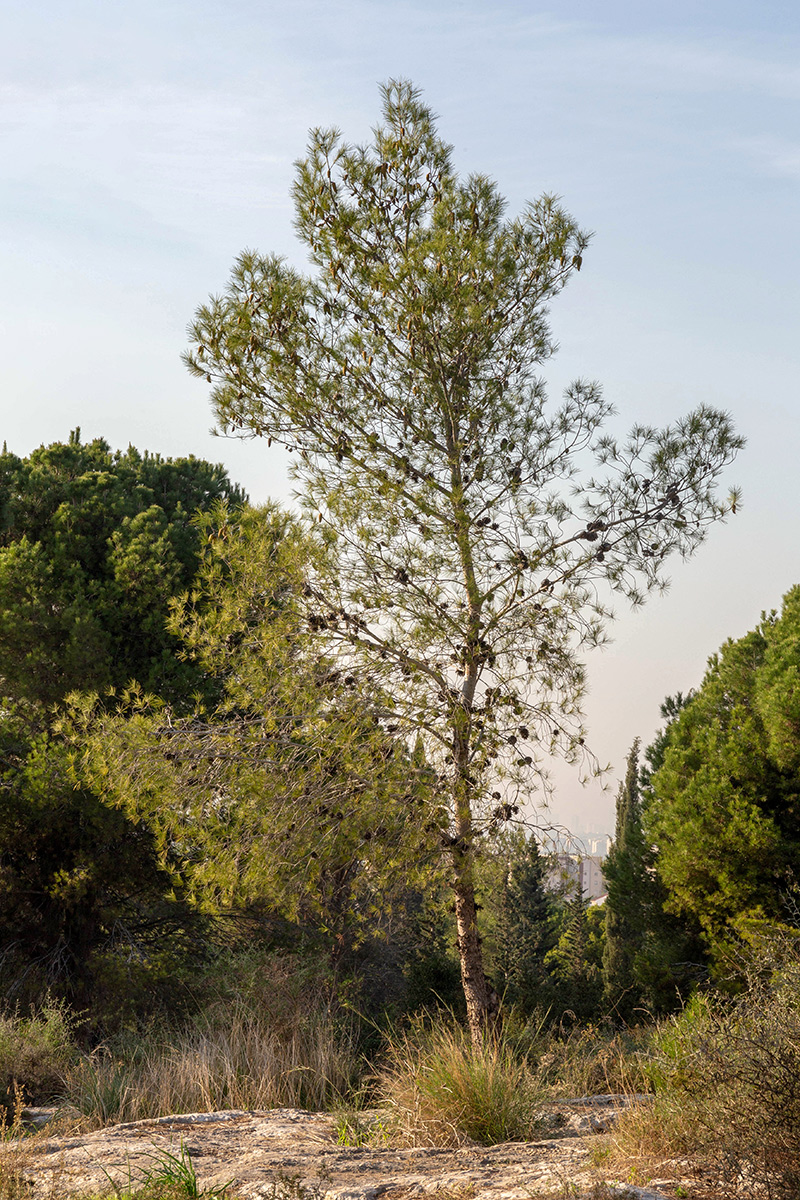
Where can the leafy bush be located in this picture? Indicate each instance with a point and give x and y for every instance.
(727, 1079)
(35, 1052)
(439, 1089)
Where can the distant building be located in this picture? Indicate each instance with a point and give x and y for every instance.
(599, 844)
(571, 871)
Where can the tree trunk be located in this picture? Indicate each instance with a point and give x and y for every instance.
(482, 1001)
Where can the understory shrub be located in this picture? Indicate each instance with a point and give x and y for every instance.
(726, 1074)
(35, 1051)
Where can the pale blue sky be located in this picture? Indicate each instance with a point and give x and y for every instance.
(144, 145)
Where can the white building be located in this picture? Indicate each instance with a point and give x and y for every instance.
(570, 871)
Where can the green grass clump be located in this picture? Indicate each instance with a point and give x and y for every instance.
(172, 1177)
(437, 1088)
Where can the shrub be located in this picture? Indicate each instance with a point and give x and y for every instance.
(727, 1079)
(439, 1089)
(35, 1052)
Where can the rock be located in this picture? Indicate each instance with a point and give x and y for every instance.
(37, 1118)
(298, 1152)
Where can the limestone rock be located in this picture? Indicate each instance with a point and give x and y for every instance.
(293, 1154)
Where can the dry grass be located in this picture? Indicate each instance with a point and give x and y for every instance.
(235, 1060)
(588, 1060)
(437, 1089)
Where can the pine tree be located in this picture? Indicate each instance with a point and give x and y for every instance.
(404, 375)
(574, 962)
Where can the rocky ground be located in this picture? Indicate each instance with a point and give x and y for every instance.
(287, 1154)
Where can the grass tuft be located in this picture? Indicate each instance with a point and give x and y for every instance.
(437, 1088)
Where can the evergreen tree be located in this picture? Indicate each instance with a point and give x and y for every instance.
(652, 958)
(93, 546)
(628, 887)
(469, 553)
(525, 929)
(575, 962)
(87, 911)
(723, 805)
(285, 790)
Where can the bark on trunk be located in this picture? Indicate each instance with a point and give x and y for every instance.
(482, 1001)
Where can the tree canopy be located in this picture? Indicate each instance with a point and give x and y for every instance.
(282, 787)
(92, 546)
(724, 804)
(476, 532)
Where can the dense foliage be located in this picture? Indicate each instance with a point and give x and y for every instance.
(93, 545)
(287, 791)
(87, 911)
(723, 807)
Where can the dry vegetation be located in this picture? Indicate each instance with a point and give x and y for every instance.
(724, 1077)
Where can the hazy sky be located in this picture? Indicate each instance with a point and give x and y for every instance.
(145, 144)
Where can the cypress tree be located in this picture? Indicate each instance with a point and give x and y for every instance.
(526, 930)
(627, 880)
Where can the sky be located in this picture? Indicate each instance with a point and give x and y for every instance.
(144, 145)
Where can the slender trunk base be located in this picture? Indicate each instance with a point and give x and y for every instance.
(482, 1000)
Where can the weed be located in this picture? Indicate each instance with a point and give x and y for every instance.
(172, 1177)
(727, 1081)
(14, 1183)
(292, 1187)
(34, 1053)
(454, 1192)
(589, 1060)
(354, 1129)
(599, 1190)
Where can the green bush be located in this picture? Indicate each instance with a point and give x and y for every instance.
(35, 1053)
(726, 1073)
